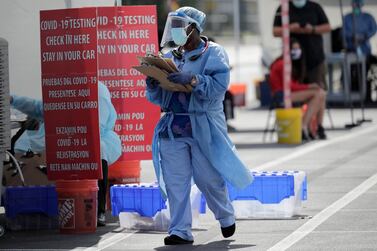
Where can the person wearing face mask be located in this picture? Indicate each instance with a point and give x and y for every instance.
(359, 28)
(309, 94)
(190, 140)
(359, 33)
(308, 22)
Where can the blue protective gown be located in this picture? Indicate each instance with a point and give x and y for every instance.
(33, 140)
(213, 156)
(110, 143)
(365, 29)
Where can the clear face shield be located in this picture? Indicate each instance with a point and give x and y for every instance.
(175, 32)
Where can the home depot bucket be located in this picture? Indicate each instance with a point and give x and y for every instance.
(77, 205)
(289, 125)
(122, 172)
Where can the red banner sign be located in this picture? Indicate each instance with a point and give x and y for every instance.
(72, 42)
(70, 93)
(123, 34)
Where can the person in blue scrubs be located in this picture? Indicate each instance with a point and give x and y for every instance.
(190, 140)
(111, 148)
(359, 28)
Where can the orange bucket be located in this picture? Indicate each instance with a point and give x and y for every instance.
(77, 205)
(125, 171)
(239, 93)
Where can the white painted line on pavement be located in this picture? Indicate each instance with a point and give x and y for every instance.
(313, 147)
(322, 216)
(109, 241)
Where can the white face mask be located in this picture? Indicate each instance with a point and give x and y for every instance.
(299, 3)
(296, 54)
(179, 36)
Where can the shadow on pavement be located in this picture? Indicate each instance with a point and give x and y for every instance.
(51, 239)
(215, 245)
(294, 217)
(344, 128)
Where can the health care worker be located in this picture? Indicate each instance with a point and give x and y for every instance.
(359, 28)
(110, 143)
(191, 138)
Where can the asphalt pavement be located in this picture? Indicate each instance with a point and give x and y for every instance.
(340, 213)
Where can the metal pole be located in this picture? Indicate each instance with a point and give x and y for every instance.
(360, 72)
(286, 54)
(347, 74)
(236, 27)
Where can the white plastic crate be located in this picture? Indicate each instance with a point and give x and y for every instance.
(286, 208)
(161, 220)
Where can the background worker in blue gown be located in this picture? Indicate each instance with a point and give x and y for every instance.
(359, 28)
(190, 140)
(110, 143)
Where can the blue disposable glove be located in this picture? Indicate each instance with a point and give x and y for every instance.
(182, 78)
(151, 82)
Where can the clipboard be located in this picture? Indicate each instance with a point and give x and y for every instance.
(159, 68)
(162, 63)
(161, 76)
